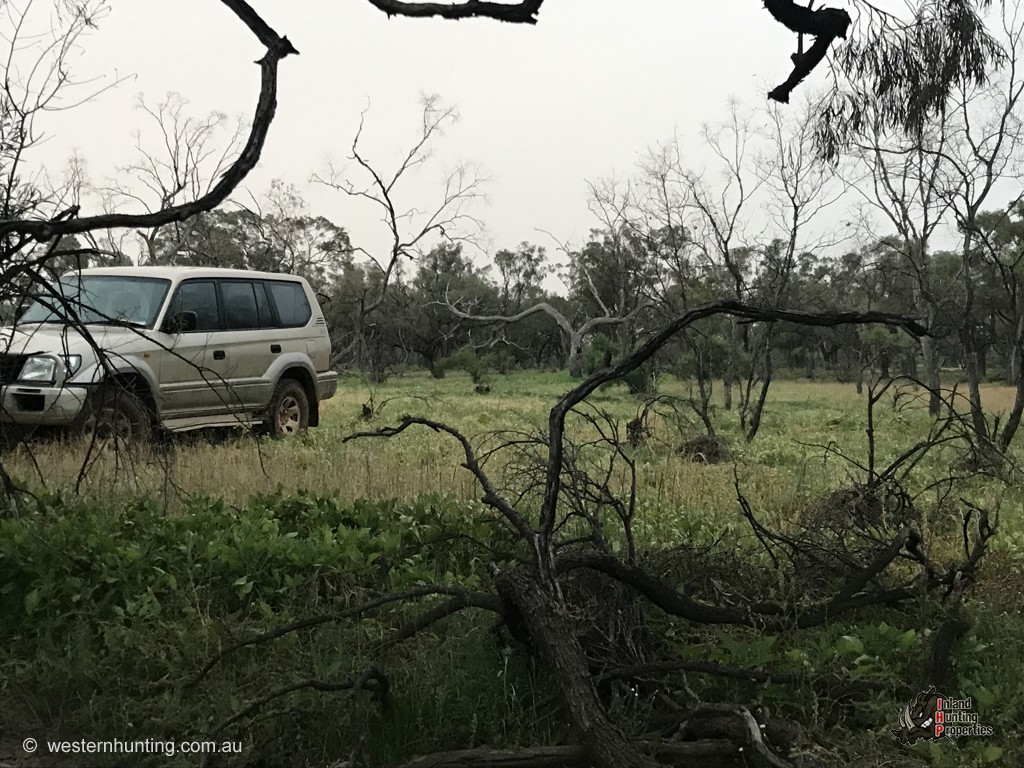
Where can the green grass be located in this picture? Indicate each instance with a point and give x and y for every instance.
(114, 598)
(784, 467)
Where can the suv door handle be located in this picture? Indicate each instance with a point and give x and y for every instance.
(218, 354)
(275, 348)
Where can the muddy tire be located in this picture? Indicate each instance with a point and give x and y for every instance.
(118, 416)
(288, 414)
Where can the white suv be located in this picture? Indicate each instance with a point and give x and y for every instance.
(129, 348)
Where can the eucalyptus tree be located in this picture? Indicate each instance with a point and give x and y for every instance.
(277, 234)
(908, 67)
(985, 153)
(902, 185)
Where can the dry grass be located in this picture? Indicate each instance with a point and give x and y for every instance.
(782, 469)
(455, 678)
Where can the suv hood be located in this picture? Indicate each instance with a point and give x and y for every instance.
(53, 339)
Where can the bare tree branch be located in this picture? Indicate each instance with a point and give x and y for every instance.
(277, 48)
(409, 230)
(354, 612)
(491, 497)
(372, 680)
(573, 335)
(524, 12)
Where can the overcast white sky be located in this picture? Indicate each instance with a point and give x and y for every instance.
(579, 96)
(543, 108)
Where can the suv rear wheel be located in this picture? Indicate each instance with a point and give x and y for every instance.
(288, 414)
(118, 415)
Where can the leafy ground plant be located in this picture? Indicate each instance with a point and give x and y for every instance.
(132, 598)
(576, 588)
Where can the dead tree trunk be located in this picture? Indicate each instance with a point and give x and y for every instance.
(552, 633)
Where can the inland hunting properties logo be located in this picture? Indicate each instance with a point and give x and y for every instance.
(933, 716)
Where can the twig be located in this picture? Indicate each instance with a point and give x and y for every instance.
(371, 680)
(348, 613)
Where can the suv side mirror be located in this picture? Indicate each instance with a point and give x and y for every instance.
(181, 322)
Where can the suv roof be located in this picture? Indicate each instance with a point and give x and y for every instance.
(176, 272)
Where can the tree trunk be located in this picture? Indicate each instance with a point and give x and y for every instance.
(575, 362)
(969, 342)
(737, 344)
(705, 386)
(757, 409)
(926, 308)
(1017, 374)
(908, 363)
(974, 386)
(552, 633)
(931, 372)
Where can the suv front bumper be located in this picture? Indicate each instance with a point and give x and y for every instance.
(54, 406)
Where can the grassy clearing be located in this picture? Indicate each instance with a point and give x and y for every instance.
(783, 467)
(115, 598)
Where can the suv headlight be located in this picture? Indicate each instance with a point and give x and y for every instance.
(71, 365)
(39, 370)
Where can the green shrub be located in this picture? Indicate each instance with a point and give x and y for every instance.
(643, 380)
(479, 367)
(112, 609)
(81, 564)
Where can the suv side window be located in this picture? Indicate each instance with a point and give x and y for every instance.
(240, 310)
(290, 300)
(199, 296)
(263, 306)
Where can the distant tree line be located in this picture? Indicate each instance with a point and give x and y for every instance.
(767, 222)
(752, 219)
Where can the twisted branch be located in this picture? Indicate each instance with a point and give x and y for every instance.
(277, 48)
(524, 12)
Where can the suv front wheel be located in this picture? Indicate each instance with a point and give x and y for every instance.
(116, 415)
(288, 413)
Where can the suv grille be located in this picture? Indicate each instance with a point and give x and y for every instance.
(10, 367)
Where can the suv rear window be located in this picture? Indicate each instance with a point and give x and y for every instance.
(240, 311)
(290, 300)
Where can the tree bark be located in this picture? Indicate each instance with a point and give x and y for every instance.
(552, 633)
(927, 308)
(968, 338)
(706, 753)
(938, 667)
(757, 408)
(931, 372)
(575, 362)
(435, 366)
(1014, 418)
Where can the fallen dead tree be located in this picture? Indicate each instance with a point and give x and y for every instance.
(578, 596)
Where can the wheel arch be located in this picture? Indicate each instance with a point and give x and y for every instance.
(305, 379)
(137, 383)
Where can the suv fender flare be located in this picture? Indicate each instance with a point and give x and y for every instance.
(297, 366)
(125, 369)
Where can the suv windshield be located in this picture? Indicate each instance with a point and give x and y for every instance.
(101, 300)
